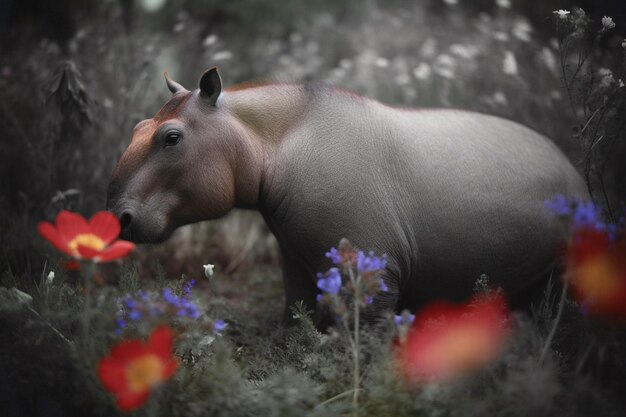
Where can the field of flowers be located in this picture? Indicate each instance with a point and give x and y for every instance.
(93, 325)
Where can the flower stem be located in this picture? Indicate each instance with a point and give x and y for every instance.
(355, 347)
(557, 320)
(86, 318)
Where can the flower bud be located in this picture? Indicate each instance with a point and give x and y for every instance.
(208, 270)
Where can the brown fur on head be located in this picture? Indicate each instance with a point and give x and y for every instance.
(180, 165)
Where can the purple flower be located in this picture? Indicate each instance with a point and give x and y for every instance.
(187, 287)
(587, 214)
(400, 320)
(134, 315)
(170, 297)
(121, 324)
(369, 299)
(383, 286)
(129, 302)
(559, 205)
(219, 325)
(334, 256)
(369, 263)
(331, 282)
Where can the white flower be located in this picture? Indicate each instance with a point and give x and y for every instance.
(562, 14)
(547, 57)
(50, 277)
(501, 36)
(607, 77)
(222, 55)
(505, 4)
(499, 98)
(381, 62)
(208, 270)
(464, 51)
(620, 83)
(445, 66)
(522, 30)
(422, 71)
(607, 23)
(509, 65)
(624, 44)
(209, 40)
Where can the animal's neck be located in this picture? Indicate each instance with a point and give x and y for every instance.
(269, 111)
(267, 114)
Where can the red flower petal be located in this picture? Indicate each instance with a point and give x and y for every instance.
(118, 249)
(129, 401)
(447, 340)
(128, 350)
(51, 234)
(111, 373)
(70, 224)
(86, 252)
(105, 225)
(71, 265)
(161, 342)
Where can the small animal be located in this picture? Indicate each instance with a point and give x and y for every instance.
(448, 195)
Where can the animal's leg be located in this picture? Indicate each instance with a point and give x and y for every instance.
(299, 286)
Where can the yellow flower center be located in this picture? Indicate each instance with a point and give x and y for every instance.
(463, 349)
(88, 240)
(597, 278)
(144, 373)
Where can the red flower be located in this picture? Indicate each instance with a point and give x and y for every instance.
(446, 341)
(80, 239)
(134, 368)
(596, 270)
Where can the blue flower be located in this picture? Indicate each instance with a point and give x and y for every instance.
(587, 214)
(331, 283)
(219, 325)
(121, 324)
(369, 299)
(369, 263)
(383, 286)
(400, 320)
(559, 205)
(187, 287)
(334, 256)
(129, 302)
(170, 297)
(134, 315)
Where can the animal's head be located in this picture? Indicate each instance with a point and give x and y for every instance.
(179, 167)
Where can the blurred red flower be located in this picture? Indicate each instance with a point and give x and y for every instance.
(134, 368)
(80, 239)
(596, 270)
(446, 340)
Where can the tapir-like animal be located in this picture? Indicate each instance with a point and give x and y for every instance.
(447, 195)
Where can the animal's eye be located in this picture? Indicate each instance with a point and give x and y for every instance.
(172, 138)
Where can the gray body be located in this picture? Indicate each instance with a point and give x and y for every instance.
(448, 195)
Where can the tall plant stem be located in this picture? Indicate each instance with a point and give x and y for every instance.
(88, 271)
(557, 320)
(356, 372)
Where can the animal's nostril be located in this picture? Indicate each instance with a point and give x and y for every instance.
(125, 220)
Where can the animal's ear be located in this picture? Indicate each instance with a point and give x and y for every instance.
(173, 85)
(211, 85)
